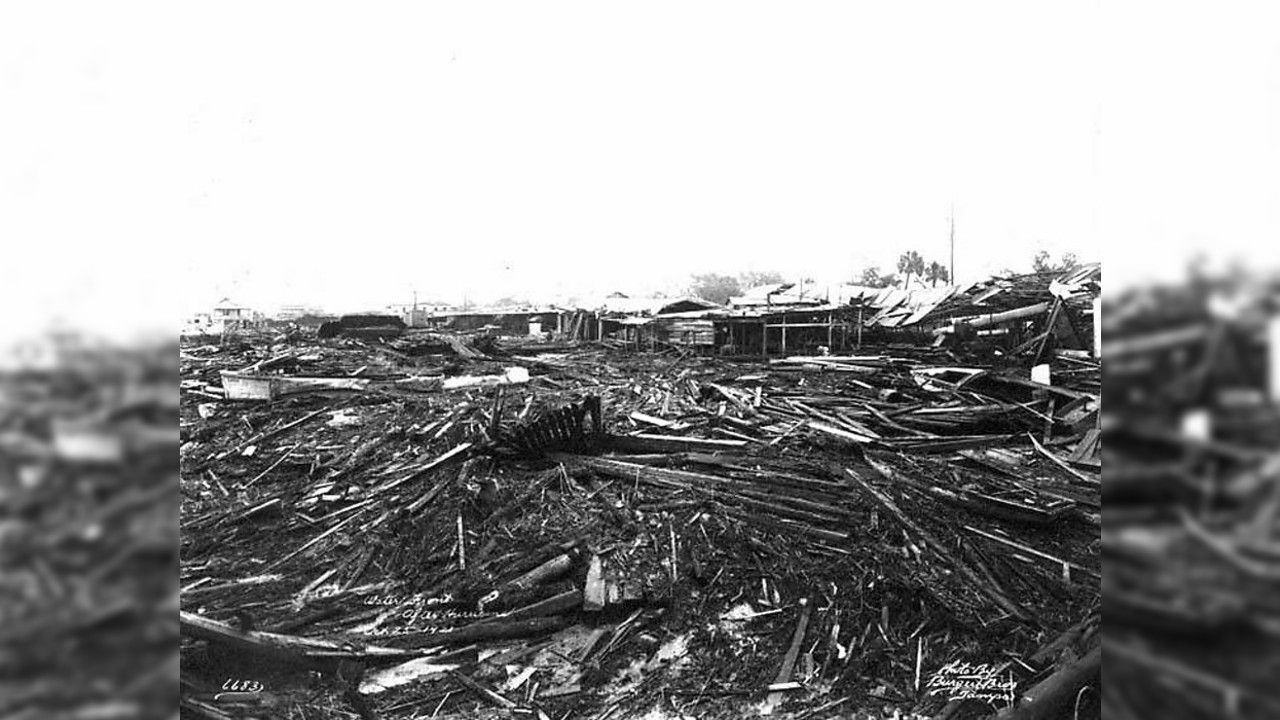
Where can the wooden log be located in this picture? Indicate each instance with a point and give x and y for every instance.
(789, 659)
(549, 570)
(274, 646)
(1068, 637)
(991, 319)
(487, 630)
(554, 605)
(1051, 695)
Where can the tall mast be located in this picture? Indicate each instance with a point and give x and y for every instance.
(953, 244)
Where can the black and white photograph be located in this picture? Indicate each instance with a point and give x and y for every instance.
(664, 361)
(730, 363)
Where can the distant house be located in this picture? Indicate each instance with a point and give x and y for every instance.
(199, 324)
(419, 314)
(675, 321)
(230, 315)
(618, 305)
(225, 316)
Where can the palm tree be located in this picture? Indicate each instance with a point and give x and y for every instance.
(937, 272)
(910, 263)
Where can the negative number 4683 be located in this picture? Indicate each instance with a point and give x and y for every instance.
(234, 685)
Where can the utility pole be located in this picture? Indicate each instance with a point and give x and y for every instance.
(953, 244)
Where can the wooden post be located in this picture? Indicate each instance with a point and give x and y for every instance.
(859, 327)
(784, 335)
(764, 338)
(1097, 328)
(830, 329)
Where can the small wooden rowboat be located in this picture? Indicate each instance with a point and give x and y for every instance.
(253, 386)
(249, 386)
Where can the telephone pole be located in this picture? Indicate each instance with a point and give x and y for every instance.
(953, 244)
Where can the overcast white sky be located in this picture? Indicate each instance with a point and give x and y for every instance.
(155, 158)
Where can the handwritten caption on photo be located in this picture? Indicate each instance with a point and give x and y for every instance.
(973, 681)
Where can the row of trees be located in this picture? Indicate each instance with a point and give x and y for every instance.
(1042, 263)
(719, 288)
(911, 264)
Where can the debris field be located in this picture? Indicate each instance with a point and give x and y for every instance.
(446, 526)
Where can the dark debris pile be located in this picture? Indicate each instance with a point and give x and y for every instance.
(626, 535)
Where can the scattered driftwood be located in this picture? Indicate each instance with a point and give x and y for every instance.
(553, 533)
(996, 596)
(1051, 696)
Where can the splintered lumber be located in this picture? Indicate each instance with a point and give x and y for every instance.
(313, 541)
(283, 456)
(593, 593)
(995, 596)
(512, 376)
(647, 443)
(651, 420)
(1050, 696)
(485, 630)
(272, 433)
(484, 692)
(840, 433)
(949, 444)
(419, 472)
(364, 518)
(789, 659)
(732, 492)
(981, 504)
(1032, 551)
(274, 646)
(1063, 464)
